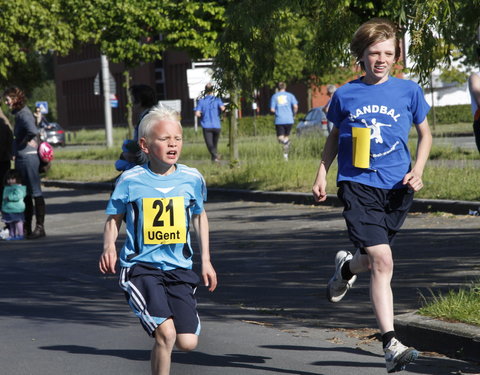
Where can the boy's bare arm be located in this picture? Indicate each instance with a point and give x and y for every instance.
(474, 87)
(108, 259)
(200, 224)
(413, 179)
(330, 151)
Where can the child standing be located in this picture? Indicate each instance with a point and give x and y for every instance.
(378, 192)
(13, 205)
(160, 200)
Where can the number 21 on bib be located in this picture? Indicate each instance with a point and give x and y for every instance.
(164, 221)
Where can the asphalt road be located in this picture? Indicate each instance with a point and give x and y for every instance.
(58, 315)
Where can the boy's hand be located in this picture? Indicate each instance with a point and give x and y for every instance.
(413, 181)
(108, 260)
(209, 276)
(319, 192)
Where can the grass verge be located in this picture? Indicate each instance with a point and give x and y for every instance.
(262, 167)
(462, 305)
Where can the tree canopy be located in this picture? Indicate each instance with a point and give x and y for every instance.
(254, 42)
(30, 28)
(265, 41)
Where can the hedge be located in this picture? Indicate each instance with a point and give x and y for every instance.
(451, 114)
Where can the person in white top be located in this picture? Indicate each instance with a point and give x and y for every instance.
(474, 87)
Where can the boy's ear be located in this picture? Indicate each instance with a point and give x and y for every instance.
(142, 142)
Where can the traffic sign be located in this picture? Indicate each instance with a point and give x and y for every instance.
(197, 79)
(113, 101)
(175, 104)
(97, 86)
(43, 107)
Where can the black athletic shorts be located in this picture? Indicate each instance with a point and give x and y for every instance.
(284, 129)
(373, 216)
(155, 295)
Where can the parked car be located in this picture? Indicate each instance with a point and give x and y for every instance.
(53, 133)
(314, 121)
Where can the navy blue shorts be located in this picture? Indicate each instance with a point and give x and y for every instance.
(284, 129)
(155, 296)
(373, 216)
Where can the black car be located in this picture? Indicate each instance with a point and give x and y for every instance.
(315, 121)
(53, 133)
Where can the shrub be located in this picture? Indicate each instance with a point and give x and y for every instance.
(450, 114)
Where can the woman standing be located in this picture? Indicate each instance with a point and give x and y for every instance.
(25, 147)
(6, 140)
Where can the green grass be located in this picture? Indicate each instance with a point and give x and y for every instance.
(82, 172)
(460, 305)
(97, 136)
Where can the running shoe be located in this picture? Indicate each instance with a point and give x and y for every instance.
(337, 287)
(397, 356)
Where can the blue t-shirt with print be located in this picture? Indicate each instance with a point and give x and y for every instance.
(158, 214)
(389, 109)
(282, 102)
(211, 108)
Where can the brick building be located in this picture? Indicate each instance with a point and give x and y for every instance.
(78, 106)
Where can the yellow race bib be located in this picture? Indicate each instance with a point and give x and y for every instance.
(164, 221)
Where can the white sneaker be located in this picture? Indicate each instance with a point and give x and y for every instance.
(337, 287)
(397, 356)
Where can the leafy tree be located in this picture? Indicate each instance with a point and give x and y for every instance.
(289, 39)
(30, 29)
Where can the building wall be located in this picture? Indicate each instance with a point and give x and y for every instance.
(78, 107)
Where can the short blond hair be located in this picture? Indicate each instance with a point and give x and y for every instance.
(155, 115)
(371, 32)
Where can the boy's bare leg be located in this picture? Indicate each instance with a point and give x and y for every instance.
(381, 265)
(165, 336)
(186, 341)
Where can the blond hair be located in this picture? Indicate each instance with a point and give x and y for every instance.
(154, 116)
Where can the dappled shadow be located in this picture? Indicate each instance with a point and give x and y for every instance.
(426, 365)
(271, 259)
(280, 261)
(226, 361)
(130, 354)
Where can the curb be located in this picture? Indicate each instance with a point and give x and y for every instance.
(456, 340)
(419, 205)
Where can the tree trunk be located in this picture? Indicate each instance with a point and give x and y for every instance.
(233, 125)
(129, 115)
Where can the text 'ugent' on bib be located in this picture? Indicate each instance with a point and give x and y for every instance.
(164, 221)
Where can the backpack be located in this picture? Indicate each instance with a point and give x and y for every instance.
(45, 154)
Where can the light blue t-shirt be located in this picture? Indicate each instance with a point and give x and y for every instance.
(158, 214)
(282, 102)
(211, 108)
(389, 109)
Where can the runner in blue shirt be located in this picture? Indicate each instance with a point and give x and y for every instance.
(208, 110)
(378, 193)
(161, 201)
(285, 106)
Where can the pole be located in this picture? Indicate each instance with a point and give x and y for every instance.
(434, 120)
(195, 118)
(106, 100)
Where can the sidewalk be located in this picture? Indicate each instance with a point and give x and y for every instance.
(455, 340)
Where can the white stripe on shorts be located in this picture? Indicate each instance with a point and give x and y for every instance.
(137, 301)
